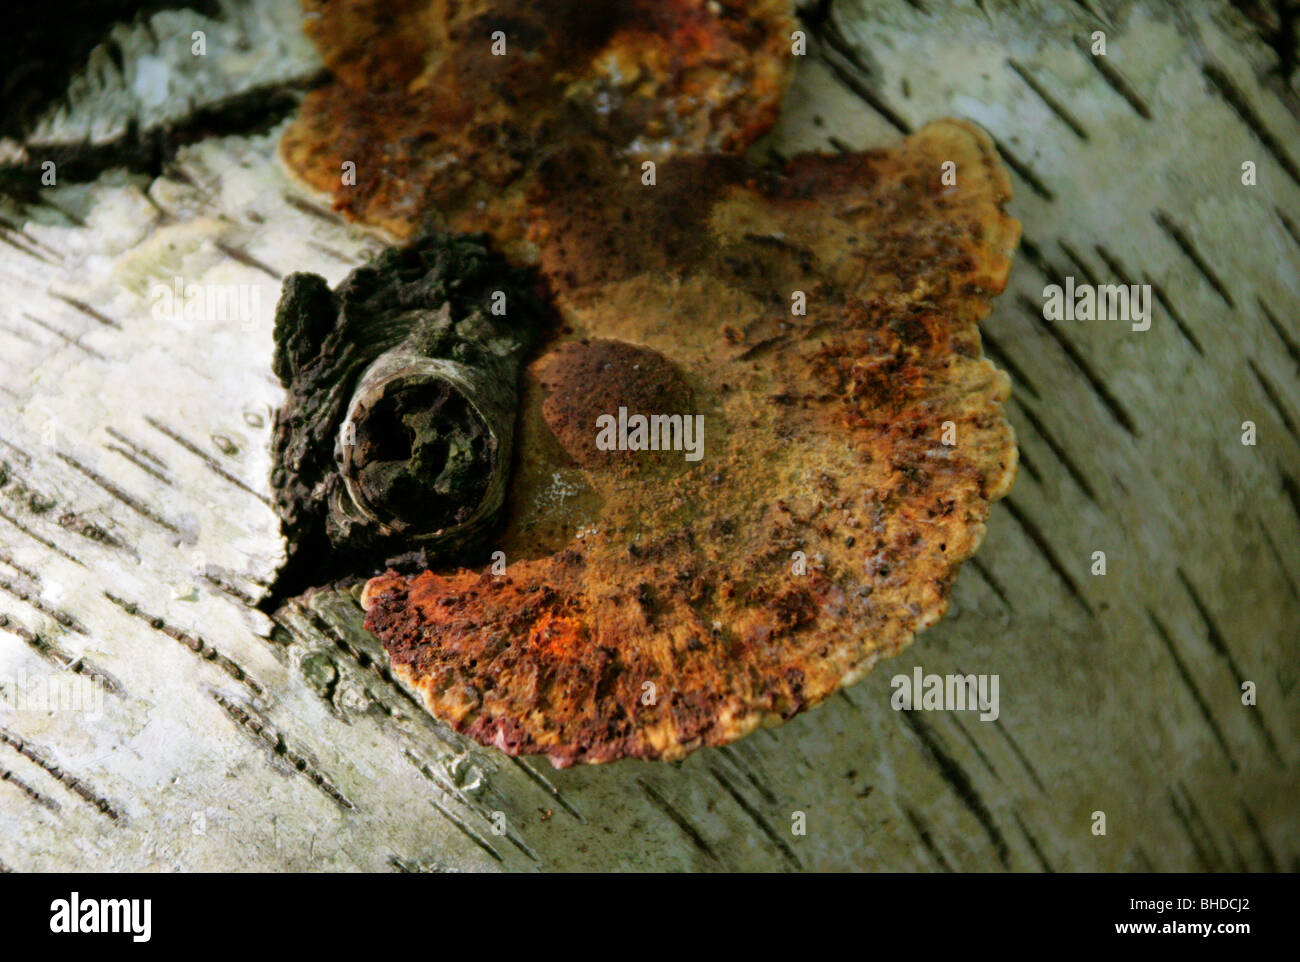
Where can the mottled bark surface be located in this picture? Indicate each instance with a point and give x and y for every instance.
(138, 534)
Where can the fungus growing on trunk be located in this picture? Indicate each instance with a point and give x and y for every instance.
(815, 328)
(852, 453)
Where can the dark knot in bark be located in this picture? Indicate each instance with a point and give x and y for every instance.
(394, 442)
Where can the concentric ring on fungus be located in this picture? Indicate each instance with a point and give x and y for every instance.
(653, 606)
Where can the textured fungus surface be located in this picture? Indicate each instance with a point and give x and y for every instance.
(585, 380)
(440, 125)
(649, 612)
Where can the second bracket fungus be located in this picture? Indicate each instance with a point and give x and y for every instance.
(446, 109)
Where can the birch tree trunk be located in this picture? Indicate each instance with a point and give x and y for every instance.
(136, 536)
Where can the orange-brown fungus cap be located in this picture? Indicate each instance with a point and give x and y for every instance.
(647, 613)
(442, 124)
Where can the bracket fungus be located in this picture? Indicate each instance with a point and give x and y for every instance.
(816, 327)
(446, 109)
(824, 524)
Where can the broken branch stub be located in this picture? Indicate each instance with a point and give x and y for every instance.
(396, 436)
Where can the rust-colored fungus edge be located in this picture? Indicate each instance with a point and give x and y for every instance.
(826, 520)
